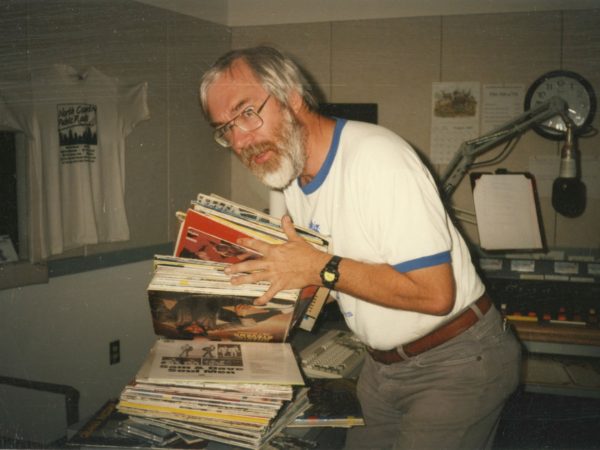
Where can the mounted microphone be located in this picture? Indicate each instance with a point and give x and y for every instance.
(568, 191)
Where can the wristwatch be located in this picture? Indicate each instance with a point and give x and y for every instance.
(330, 274)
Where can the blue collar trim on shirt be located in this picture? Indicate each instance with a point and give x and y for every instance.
(425, 261)
(319, 178)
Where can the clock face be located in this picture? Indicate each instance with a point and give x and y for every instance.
(572, 88)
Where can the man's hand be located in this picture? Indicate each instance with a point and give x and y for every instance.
(291, 265)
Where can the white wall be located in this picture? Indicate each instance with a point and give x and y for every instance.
(239, 13)
(60, 332)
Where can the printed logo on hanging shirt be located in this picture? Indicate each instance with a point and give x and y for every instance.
(314, 226)
(77, 132)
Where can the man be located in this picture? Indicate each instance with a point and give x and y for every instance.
(440, 363)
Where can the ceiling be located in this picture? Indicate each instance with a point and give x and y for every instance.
(268, 12)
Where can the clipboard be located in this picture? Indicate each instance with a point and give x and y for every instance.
(507, 210)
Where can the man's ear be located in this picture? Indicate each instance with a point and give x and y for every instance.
(296, 102)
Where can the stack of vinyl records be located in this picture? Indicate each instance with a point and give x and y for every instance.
(213, 229)
(191, 298)
(238, 393)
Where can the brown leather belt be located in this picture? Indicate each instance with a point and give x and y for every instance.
(437, 337)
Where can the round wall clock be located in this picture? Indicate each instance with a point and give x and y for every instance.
(572, 88)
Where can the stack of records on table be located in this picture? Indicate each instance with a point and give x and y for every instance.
(238, 393)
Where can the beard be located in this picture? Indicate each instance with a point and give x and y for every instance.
(288, 159)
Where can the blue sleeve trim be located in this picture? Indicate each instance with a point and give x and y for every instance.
(425, 261)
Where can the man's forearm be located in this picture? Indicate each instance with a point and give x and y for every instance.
(429, 290)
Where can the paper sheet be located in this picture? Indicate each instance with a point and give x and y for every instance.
(506, 212)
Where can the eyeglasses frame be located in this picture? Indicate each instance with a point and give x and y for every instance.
(230, 124)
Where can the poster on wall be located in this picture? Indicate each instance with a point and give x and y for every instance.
(455, 117)
(501, 103)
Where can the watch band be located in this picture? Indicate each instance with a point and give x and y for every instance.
(330, 273)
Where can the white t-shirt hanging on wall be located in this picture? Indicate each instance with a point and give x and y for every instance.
(81, 120)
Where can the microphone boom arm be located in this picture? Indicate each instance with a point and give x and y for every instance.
(470, 150)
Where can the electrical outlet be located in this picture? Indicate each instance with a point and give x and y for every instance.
(114, 349)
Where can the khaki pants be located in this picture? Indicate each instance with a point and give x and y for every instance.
(449, 397)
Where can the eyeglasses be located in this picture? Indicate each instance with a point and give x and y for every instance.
(247, 120)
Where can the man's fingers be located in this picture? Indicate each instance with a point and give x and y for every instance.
(248, 266)
(264, 299)
(254, 244)
(288, 228)
(248, 278)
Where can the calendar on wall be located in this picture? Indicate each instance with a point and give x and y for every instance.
(455, 117)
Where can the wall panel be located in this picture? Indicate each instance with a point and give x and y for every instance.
(392, 63)
(581, 53)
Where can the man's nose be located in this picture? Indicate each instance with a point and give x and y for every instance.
(240, 139)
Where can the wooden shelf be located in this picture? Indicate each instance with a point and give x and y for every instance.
(559, 334)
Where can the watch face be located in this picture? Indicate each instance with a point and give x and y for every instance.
(329, 277)
(572, 88)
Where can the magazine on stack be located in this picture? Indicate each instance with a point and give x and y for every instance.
(237, 434)
(249, 217)
(240, 393)
(202, 361)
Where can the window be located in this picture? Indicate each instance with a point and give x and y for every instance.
(14, 260)
(9, 220)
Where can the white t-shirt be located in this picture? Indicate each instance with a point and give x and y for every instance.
(378, 203)
(76, 124)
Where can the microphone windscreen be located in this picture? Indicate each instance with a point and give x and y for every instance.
(569, 196)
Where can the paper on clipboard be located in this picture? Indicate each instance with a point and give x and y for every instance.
(506, 210)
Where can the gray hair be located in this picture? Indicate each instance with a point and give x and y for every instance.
(278, 74)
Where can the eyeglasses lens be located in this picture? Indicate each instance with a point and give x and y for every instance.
(246, 121)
